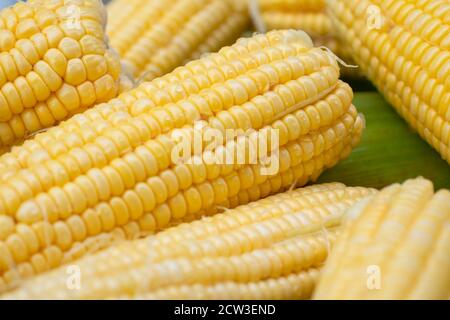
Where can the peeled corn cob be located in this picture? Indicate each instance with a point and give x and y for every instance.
(54, 62)
(395, 246)
(270, 249)
(404, 48)
(154, 37)
(307, 15)
(111, 169)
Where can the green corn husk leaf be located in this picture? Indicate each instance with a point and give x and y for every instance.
(390, 151)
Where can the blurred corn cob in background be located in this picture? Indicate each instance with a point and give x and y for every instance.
(270, 249)
(307, 15)
(54, 62)
(154, 37)
(404, 48)
(395, 245)
(109, 173)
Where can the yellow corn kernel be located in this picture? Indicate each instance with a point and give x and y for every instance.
(394, 246)
(41, 55)
(271, 249)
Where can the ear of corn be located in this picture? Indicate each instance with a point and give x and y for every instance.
(270, 249)
(389, 151)
(111, 169)
(54, 62)
(154, 37)
(394, 246)
(404, 48)
(309, 16)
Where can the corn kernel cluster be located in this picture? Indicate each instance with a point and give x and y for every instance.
(52, 65)
(254, 251)
(403, 231)
(162, 35)
(406, 53)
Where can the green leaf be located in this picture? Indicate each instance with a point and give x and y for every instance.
(390, 151)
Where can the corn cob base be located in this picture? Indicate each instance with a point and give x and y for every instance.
(270, 249)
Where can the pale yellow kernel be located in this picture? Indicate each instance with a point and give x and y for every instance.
(6, 227)
(25, 91)
(7, 40)
(69, 97)
(134, 204)
(53, 255)
(105, 88)
(26, 28)
(75, 72)
(28, 49)
(147, 223)
(159, 189)
(11, 94)
(40, 89)
(17, 248)
(107, 217)
(29, 237)
(178, 206)
(39, 263)
(57, 61)
(92, 45)
(146, 195)
(23, 66)
(44, 232)
(63, 236)
(92, 221)
(48, 75)
(70, 48)
(54, 35)
(95, 65)
(77, 228)
(162, 216)
(121, 211)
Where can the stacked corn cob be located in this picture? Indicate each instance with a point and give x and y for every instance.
(270, 249)
(395, 245)
(308, 15)
(154, 37)
(404, 48)
(54, 62)
(109, 173)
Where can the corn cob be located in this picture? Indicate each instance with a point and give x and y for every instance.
(154, 37)
(307, 15)
(54, 62)
(270, 249)
(110, 170)
(407, 46)
(394, 246)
